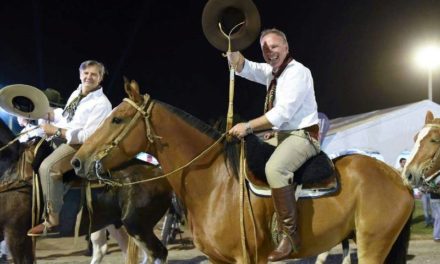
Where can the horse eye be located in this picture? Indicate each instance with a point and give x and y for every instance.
(116, 120)
(435, 140)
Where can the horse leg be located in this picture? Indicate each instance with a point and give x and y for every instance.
(20, 245)
(4, 251)
(99, 242)
(121, 236)
(150, 244)
(375, 244)
(346, 252)
(322, 257)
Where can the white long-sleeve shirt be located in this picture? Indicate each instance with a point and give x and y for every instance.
(295, 105)
(91, 111)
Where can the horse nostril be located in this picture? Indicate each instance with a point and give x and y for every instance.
(76, 164)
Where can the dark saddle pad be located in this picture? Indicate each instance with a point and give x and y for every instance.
(316, 169)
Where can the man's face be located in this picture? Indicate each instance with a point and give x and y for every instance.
(90, 78)
(402, 163)
(274, 50)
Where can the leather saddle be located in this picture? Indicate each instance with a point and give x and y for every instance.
(316, 173)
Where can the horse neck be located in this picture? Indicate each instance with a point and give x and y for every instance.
(180, 143)
(9, 155)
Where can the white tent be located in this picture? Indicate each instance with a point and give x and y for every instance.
(389, 131)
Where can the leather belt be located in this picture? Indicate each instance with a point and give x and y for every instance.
(313, 131)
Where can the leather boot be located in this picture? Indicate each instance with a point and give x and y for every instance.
(285, 207)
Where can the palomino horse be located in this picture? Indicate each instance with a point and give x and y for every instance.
(373, 204)
(423, 165)
(112, 204)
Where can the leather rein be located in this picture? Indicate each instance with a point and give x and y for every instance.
(151, 136)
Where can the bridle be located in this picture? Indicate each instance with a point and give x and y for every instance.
(144, 111)
(151, 136)
(428, 180)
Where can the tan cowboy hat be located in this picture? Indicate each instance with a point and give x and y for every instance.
(24, 101)
(55, 99)
(230, 13)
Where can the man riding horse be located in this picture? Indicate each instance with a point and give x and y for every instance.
(291, 110)
(86, 108)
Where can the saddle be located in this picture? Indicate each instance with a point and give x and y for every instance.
(317, 173)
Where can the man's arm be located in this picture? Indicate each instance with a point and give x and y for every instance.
(258, 124)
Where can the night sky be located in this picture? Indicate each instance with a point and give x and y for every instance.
(359, 52)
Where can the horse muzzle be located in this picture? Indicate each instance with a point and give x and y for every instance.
(78, 166)
(100, 172)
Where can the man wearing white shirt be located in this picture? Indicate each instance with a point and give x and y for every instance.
(291, 111)
(85, 109)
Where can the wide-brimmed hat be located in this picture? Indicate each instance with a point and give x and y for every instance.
(24, 101)
(230, 13)
(54, 97)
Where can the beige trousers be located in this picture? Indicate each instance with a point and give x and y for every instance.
(51, 174)
(293, 149)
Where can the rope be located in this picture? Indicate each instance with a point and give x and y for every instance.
(230, 114)
(242, 222)
(36, 193)
(18, 136)
(115, 183)
(243, 177)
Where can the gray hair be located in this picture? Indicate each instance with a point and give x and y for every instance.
(274, 31)
(88, 63)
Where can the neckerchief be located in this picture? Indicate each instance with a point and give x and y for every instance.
(270, 95)
(70, 109)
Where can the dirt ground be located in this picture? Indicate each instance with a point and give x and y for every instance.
(62, 250)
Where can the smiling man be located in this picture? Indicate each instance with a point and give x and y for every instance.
(86, 108)
(290, 109)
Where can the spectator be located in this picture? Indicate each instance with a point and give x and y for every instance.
(435, 207)
(402, 163)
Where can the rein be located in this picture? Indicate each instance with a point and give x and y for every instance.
(16, 138)
(150, 136)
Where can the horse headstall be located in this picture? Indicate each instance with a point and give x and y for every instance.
(142, 110)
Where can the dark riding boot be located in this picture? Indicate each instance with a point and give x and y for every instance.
(285, 207)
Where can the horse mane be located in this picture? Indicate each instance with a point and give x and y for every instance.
(231, 149)
(435, 121)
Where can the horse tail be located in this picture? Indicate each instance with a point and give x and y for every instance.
(399, 250)
(132, 252)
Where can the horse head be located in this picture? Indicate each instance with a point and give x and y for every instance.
(120, 137)
(423, 165)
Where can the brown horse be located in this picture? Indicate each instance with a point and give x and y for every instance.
(110, 204)
(373, 204)
(423, 164)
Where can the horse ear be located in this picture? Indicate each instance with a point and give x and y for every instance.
(127, 85)
(429, 117)
(132, 90)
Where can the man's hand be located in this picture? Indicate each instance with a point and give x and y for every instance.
(49, 129)
(49, 116)
(240, 130)
(236, 60)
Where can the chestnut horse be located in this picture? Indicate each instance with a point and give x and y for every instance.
(423, 165)
(374, 204)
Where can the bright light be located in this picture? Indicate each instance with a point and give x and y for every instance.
(428, 57)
